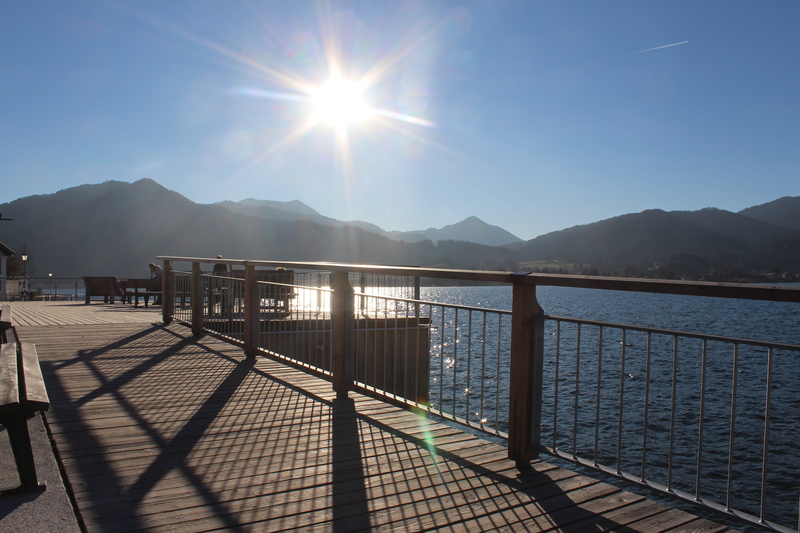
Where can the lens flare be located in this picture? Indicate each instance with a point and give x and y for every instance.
(339, 102)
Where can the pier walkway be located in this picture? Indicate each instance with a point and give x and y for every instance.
(160, 431)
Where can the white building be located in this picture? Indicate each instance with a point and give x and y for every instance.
(5, 253)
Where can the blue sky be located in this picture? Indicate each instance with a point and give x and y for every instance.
(534, 116)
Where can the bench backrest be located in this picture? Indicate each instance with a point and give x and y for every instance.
(5, 322)
(101, 286)
(9, 382)
(21, 381)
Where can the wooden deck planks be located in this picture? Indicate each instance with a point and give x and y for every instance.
(160, 431)
(78, 313)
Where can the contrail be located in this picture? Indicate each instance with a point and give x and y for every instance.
(660, 47)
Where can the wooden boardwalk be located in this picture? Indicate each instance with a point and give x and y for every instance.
(163, 432)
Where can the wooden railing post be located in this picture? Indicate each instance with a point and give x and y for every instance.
(252, 310)
(197, 300)
(342, 319)
(525, 390)
(167, 293)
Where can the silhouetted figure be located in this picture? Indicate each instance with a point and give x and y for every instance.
(155, 271)
(220, 269)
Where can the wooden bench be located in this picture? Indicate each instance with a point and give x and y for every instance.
(145, 287)
(22, 393)
(277, 298)
(5, 322)
(105, 286)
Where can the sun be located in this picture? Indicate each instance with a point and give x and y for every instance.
(339, 103)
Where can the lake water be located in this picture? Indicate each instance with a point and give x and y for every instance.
(598, 401)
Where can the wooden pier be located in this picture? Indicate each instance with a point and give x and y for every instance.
(161, 431)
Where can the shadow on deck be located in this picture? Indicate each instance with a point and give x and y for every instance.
(160, 430)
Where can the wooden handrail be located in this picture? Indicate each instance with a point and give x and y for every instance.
(775, 293)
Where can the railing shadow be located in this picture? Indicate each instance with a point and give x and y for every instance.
(189, 416)
(347, 468)
(120, 499)
(538, 495)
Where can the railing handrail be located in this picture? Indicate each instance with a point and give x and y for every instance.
(676, 332)
(774, 293)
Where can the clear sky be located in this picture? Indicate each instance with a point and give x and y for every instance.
(534, 116)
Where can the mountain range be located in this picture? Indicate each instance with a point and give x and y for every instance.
(471, 229)
(117, 228)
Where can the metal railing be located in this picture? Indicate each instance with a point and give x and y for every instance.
(693, 414)
(707, 418)
(41, 289)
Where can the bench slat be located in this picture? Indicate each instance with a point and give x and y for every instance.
(36, 398)
(9, 388)
(5, 322)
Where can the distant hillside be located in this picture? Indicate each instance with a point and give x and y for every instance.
(646, 237)
(117, 228)
(666, 244)
(733, 225)
(783, 212)
(294, 206)
(292, 210)
(470, 229)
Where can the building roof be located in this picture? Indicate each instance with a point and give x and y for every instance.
(6, 250)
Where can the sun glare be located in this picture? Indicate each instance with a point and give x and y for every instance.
(339, 103)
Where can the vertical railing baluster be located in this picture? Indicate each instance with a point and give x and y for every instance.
(406, 353)
(483, 371)
(645, 420)
(441, 357)
(576, 402)
(671, 453)
(378, 366)
(768, 400)
(597, 396)
(417, 292)
(701, 427)
(252, 318)
(498, 374)
(197, 300)
(555, 381)
(397, 377)
(467, 388)
(621, 400)
(526, 367)
(385, 328)
(455, 361)
(732, 432)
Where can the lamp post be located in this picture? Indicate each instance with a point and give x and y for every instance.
(24, 273)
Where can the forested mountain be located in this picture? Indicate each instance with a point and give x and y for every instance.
(733, 225)
(471, 229)
(781, 212)
(637, 238)
(117, 228)
(709, 243)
